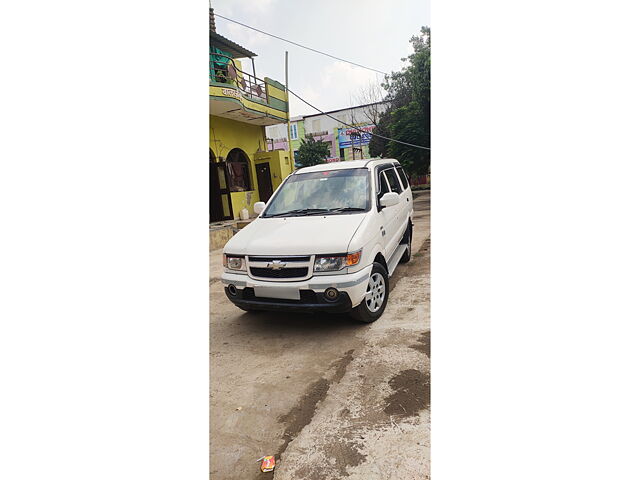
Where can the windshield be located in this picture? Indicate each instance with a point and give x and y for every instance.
(329, 192)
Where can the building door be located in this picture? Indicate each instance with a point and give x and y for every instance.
(265, 187)
(219, 197)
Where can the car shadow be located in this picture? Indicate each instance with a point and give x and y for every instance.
(288, 322)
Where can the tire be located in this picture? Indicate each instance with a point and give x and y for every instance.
(408, 236)
(372, 309)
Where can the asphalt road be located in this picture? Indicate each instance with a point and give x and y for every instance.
(330, 397)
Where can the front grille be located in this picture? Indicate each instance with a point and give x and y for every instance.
(283, 273)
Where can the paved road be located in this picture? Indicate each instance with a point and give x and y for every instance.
(330, 397)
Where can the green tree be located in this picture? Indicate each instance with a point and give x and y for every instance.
(378, 147)
(312, 152)
(409, 116)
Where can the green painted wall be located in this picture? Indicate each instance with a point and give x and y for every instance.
(295, 144)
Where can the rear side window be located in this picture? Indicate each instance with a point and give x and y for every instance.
(394, 183)
(403, 176)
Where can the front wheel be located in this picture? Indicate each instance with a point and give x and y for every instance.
(375, 300)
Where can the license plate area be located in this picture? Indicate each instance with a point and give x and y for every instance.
(282, 293)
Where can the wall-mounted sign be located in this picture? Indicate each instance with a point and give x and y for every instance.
(230, 92)
(348, 137)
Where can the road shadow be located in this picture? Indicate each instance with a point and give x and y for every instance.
(273, 334)
(300, 322)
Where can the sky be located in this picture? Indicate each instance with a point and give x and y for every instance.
(374, 33)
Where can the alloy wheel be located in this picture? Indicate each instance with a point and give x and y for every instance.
(376, 292)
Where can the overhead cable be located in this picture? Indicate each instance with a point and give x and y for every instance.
(355, 127)
(301, 46)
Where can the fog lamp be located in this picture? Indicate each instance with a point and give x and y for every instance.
(331, 294)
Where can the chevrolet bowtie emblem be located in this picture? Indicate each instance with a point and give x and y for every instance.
(276, 265)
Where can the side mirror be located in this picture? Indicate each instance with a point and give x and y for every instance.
(390, 199)
(258, 207)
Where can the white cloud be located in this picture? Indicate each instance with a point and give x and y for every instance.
(324, 82)
(346, 82)
(230, 7)
(311, 95)
(261, 6)
(338, 86)
(250, 13)
(247, 38)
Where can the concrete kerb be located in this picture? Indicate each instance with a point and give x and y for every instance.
(221, 233)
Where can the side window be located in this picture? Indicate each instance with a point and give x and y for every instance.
(403, 176)
(394, 183)
(383, 187)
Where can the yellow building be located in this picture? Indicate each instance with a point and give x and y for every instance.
(241, 170)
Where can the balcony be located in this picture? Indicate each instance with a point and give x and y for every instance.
(240, 96)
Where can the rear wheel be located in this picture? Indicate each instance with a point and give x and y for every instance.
(375, 300)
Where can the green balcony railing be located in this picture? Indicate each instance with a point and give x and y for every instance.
(222, 69)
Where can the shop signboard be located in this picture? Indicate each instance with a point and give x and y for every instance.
(348, 137)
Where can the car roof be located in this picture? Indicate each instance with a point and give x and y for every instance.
(323, 167)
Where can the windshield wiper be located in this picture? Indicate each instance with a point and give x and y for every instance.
(347, 209)
(300, 211)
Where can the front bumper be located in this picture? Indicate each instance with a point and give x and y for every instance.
(310, 301)
(351, 287)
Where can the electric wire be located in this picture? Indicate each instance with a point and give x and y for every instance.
(355, 127)
(301, 46)
(334, 57)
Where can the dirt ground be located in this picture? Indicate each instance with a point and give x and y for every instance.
(330, 397)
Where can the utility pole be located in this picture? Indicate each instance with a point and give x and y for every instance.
(286, 87)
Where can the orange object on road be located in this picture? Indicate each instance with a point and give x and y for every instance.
(268, 463)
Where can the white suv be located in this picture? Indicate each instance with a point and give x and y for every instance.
(328, 240)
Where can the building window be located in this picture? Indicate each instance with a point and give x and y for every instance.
(315, 126)
(238, 170)
(294, 132)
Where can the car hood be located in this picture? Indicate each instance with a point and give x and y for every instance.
(315, 234)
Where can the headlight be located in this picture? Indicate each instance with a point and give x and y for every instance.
(233, 262)
(334, 263)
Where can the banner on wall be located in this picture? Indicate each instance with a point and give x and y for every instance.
(348, 137)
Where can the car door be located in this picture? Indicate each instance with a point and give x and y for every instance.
(394, 231)
(406, 197)
(385, 215)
